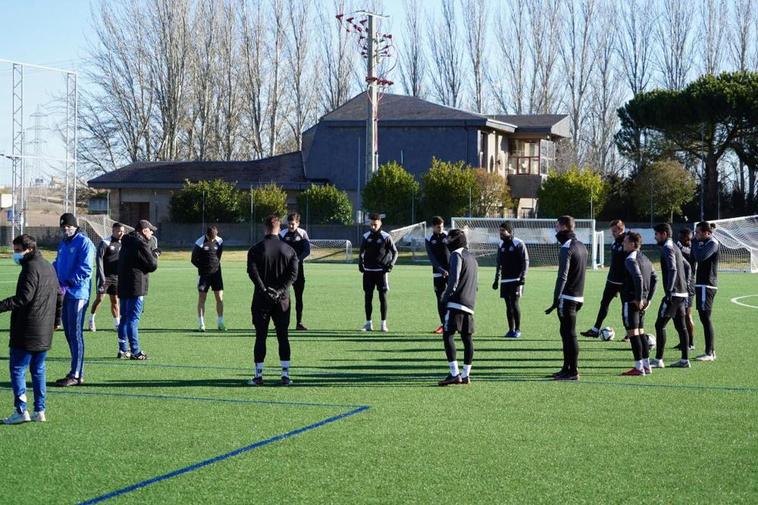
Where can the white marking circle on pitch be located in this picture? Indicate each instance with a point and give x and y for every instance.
(737, 301)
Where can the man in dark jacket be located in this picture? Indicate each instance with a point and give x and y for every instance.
(135, 263)
(459, 300)
(272, 266)
(297, 238)
(106, 260)
(206, 256)
(439, 257)
(34, 309)
(568, 296)
(376, 259)
(510, 276)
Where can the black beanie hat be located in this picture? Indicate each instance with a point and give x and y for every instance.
(68, 219)
(456, 239)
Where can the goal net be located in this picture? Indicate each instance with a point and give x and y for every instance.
(98, 227)
(409, 240)
(331, 251)
(739, 243)
(483, 236)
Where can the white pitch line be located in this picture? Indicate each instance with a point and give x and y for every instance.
(736, 299)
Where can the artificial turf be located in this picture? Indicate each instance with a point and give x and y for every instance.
(512, 436)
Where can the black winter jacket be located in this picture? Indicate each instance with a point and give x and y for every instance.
(135, 261)
(35, 306)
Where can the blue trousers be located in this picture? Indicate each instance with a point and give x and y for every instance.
(128, 328)
(19, 361)
(74, 312)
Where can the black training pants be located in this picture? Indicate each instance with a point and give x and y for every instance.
(567, 310)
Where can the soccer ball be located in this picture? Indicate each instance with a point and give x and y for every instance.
(607, 333)
(650, 341)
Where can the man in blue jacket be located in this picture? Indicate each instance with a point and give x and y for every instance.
(73, 266)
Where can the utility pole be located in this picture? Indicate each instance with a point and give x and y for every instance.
(372, 133)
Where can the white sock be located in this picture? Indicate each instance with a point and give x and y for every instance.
(384, 322)
(92, 317)
(259, 369)
(116, 320)
(646, 362)
(201, 320)
(220, 320)
(368, 322)
(638, 364)
(285, 368)
(454, 368)
(466, 370)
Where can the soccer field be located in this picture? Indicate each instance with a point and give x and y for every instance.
(364, 421)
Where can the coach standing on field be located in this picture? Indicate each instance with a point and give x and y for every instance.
(35, 308)
(272, 265)
(569, 294)
(73, 266)
(206, 257)
(135, 263)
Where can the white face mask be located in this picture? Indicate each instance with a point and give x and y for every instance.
(69, 232)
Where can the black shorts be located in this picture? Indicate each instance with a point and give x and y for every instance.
(508, 289)
(110, 286)
(457, 320)
(670, 308)
(378, 280)
(440, 284)
(212, 281)
(631, 316)
(704, 296)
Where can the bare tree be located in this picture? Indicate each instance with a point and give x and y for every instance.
(412, 57)
(475, 23)
(301, 79)
(446, 56)
(674, 44)
(712, 26)
(227, 83)
(201, 66)
(606, 94)
(276, 17)
(543, 50)
(253, 48)
(577, 60)
(635, 43)
(509, 78)
(742, 33)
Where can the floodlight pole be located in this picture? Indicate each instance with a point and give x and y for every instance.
(372, 62)
(17, 153)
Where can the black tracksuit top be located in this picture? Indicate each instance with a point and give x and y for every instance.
(674, 271)
(271, 263)
(706, 256)
(378, 251)
(640, 279)
(462, 281)
(512, 260)
(439, 255)
(618, 256)
(206, 255)
(572, 263)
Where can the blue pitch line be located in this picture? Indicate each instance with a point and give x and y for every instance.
(202, 399)
(236, 452)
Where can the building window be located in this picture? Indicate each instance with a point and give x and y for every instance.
(525, 155)
(547, 156)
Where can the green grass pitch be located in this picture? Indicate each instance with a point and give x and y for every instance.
(512, 436)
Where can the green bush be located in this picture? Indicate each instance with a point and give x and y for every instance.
(392, 191)
(570, 193)
(213, 201)
(449, 189)
(266, 200)
(325, 205)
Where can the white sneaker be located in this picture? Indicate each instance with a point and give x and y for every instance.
(656, 363)
(92, 326)
(201, 329)
(39, 417)
(369, 326)
(706, 357)
(384, 327)
(682, 363)
(17, 418)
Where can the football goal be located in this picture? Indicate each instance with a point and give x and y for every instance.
(483, 235)
(739, 243)
(98, 227)
(331, 251)
(409, 240)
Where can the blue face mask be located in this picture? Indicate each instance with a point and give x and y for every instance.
(17, 257)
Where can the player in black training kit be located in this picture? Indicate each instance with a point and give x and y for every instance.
(568, 296)
(297, 238)
(377, 257)
(706, 255)
(675, 273)
(685, 245)
(272, 266)
(638, 288)
(439, 256)
(459, 300)
(107, 274)
(510, 276)
(615, 279)
(206, 257)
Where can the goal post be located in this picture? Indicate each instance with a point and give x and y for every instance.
(410, 239)
(325, 250)
(738, 239)
(483, 234)
(98, 227)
